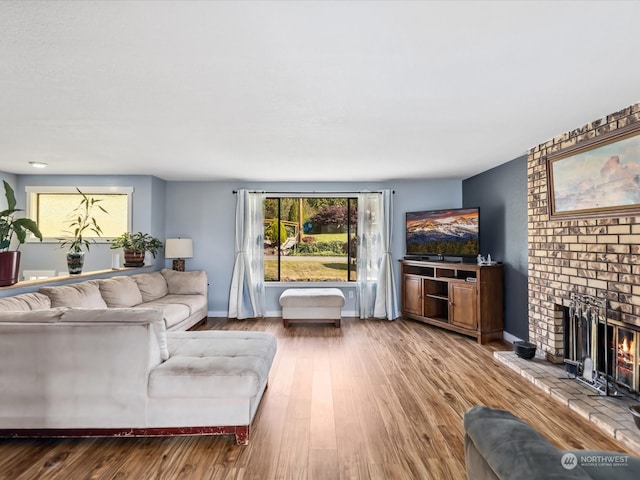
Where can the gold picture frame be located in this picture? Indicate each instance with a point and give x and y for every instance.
(600, 177)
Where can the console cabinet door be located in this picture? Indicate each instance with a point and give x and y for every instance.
(412, 294)
(462, 305)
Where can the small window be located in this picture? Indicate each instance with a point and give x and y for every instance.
(52, 208)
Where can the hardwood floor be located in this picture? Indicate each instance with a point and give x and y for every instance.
(371, 400)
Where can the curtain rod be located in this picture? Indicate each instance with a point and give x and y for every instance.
(314, 192)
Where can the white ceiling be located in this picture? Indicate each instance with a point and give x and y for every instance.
(304, 91)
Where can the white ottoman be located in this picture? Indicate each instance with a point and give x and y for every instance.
(323, 305)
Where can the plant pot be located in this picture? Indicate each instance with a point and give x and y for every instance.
(9, 268)
(75, 262)
(524, 350)
(133, 259)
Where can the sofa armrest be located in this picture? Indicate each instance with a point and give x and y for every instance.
(186, 283)
(511, 448)
(77, 368)
(476, 465)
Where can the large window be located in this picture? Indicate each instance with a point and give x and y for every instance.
(52, 208)
(310, 239)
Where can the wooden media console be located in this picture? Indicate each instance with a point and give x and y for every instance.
(465, 298)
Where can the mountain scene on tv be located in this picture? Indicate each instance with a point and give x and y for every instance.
(450, 232)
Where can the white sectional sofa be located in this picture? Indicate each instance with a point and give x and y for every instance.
(83, 369)
(182, 296)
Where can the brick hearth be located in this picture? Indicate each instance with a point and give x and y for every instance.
(611, 415)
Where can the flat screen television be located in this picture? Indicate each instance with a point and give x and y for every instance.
(445, 233)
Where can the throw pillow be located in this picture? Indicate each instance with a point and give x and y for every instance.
(79, 295)
(120, 292)
(186, 283)
(152, 286)
(25, 302)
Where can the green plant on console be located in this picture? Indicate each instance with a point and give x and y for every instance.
(137, 242)
(83, 225)
(10, 225)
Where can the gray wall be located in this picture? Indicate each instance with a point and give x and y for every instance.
(157, 228)
(501, 194)
(148, 216)
(205, 211)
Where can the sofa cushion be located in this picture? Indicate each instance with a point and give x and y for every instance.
(193, 302)
(186, 283)
(234, 364)
(118, 292)
(25, 302)
(51, 315)
(82, 295)
(152, 285)
(312, 297)
(123, 315)
(173, 313)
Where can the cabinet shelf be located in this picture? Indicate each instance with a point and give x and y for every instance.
(465, 298)
(438, 297)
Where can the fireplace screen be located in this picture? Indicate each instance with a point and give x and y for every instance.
(582, 335)
(626, 358)
(600, 352)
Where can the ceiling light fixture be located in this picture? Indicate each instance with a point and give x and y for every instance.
(38, 164)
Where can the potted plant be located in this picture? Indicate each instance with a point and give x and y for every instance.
(135, 245)
(11, 226)
(82, 223)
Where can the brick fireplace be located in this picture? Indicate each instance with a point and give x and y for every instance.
(594, 254)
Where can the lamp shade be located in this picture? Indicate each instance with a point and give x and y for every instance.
(178, 248)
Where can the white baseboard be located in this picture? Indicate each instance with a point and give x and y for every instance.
(510, 338)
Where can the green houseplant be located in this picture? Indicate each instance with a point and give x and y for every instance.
(135, 245)
(82, 227)
(11, 227)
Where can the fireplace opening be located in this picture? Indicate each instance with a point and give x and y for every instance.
(626, 358)
(598, 351)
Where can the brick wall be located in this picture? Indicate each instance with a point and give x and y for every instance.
(597, 254)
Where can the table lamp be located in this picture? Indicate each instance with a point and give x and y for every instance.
(178, 249)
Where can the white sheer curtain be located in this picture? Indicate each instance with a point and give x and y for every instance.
(376, 287)
(246, 297)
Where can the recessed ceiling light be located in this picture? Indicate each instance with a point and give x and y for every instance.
(38, 164)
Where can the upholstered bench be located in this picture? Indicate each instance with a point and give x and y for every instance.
(323, 305)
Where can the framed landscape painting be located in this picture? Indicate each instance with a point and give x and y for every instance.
(600, 179)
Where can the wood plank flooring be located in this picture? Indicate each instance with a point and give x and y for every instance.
(371, 400)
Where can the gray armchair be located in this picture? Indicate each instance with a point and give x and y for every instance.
(499, 445)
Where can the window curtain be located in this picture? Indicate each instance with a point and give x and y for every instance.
(246, 297)
(376, 287)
